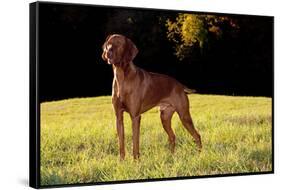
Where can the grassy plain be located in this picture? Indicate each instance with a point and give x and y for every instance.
(79, 141)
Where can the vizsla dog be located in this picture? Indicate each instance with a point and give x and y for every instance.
(135, 91)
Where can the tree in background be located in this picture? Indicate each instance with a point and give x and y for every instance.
(190, 31)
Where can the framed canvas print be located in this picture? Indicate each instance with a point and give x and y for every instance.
(121, 94)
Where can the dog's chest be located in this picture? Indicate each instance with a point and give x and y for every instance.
(121, 86)
(118, 83)
(118, 75)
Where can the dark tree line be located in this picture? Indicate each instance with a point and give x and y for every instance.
(238, 61)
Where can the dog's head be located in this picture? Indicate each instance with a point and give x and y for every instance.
(118, 50)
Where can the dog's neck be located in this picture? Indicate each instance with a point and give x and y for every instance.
(124, 71)
(120, 75)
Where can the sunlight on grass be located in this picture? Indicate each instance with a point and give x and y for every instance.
(79, 141)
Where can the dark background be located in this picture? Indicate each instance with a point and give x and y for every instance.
(71, 36)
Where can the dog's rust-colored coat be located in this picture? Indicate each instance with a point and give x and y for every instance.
(135, 91)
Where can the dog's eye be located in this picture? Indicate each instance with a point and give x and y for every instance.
(109, 47)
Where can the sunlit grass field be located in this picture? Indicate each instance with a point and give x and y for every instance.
(79, 141)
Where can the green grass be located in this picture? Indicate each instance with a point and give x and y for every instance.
(79, 141)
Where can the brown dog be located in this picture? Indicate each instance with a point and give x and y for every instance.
(135, 91)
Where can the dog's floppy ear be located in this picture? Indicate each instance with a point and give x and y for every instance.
(130, 51)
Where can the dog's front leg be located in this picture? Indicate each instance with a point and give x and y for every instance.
(121, 134)
(136, 135)
(120, 126)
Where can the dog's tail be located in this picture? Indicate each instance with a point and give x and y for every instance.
(188, 90)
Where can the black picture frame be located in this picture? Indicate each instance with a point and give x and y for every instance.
(34, 101)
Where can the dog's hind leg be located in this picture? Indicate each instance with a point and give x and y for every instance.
(166, 113)
(185, 117)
